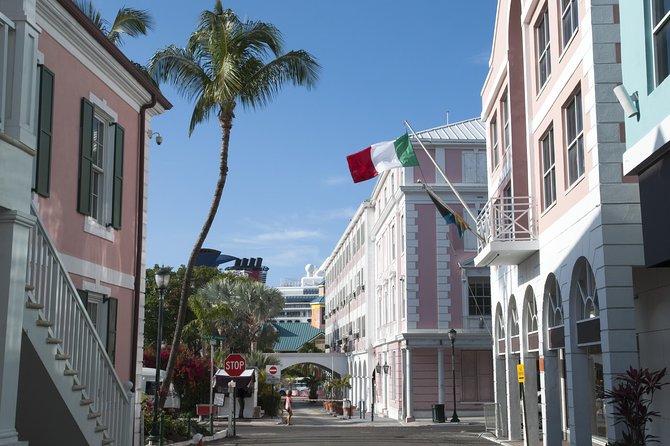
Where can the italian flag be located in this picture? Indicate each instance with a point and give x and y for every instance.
(370, 162)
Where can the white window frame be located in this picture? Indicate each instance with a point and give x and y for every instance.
(660, 35)
(548, 157)
(543, 42)
(507, 131)
(569, 20)
(575, 143)
(100, 226)
(494, 142)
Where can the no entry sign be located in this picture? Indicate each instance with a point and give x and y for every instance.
(234, 364)
(273, 374)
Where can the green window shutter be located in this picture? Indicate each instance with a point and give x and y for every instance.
(85, 157)
(112, 309)
(117, 189)
(83, 295)
(44, 131)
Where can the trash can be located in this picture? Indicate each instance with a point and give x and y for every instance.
(438, 413)
(346, 408)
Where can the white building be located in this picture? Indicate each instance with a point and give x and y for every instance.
(400, 279)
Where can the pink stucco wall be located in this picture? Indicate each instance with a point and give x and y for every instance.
(59, 212)
(427, 266)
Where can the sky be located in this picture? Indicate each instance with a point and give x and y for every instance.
(289, 194)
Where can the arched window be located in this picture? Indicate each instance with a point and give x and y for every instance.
(500, 330)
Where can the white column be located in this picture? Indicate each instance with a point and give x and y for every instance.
(551, 401)
(532, 429)
(440, 375)
(513, 398)
(14, 230)
(22, 101)
(580, 397)
(500, 377)
(409, 416)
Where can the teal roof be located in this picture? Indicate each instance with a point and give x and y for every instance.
(319, 300)
(293, 335)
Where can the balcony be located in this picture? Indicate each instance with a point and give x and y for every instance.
(509, 233)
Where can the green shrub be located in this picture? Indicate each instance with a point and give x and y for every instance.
(269, 399)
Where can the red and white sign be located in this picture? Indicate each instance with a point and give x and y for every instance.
(273, 374)
(234, 364)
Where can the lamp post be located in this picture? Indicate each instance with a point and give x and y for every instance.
(452, 338)
(162, 277)
(372, 405)
(212, 344)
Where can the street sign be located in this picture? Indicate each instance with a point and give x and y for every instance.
(520, 372)
(272, 374)
(234, 364)
(216, 337)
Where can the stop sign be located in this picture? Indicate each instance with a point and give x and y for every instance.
(234, 364)
(272, 370)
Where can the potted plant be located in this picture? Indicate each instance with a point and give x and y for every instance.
(631, 397)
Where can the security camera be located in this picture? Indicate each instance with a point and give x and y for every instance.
(159, 140)
(628, 102)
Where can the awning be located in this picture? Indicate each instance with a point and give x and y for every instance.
(244, 381)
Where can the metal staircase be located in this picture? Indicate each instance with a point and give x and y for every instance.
(62, 334)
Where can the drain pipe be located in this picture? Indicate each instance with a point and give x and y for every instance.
(140, 235)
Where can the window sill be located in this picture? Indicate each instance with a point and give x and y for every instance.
(548, 208)
(574, 185)
(567, 44)
(91, 226)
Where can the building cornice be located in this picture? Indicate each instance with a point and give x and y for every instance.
(65, 23)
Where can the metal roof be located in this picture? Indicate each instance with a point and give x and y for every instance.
(293, 335)
(471, 130)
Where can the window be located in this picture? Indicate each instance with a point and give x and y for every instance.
(474, 167)
(495, 157)
(469, 238)
(543, 49)
(402, 233)
(101, 164)
(507, 140)
(548, 169)
(479, 296)
(661, 35)
(102, 310)
(575, 138)
(393, 242)
(569, 19)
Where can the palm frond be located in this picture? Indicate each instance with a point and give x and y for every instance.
(89, 9)
(130, 21)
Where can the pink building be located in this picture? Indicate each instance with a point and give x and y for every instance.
(74, 152)
(562, 226)
(400, 279)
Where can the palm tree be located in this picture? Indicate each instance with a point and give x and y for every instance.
(226, 61)
(130, 21)
(208, 318)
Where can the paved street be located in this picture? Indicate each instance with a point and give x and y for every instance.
(315, 427)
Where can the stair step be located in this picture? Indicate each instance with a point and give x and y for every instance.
(52, 340)
(106, 441)
(85, 402)
(100, 427)
(34, 305)
(44, 323)
(94, 415)
(78, 387)
(62, 357)
(71, 372)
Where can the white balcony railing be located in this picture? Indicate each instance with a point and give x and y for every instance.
(506, 218)
(53, 288)
(6, 27)
(507, 229)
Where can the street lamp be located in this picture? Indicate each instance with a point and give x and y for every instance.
(162, 277)
(212, 344)
(452, 338)
(386, 368)
(378, 368)
(374, 383)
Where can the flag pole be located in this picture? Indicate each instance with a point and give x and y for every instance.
(439, 169)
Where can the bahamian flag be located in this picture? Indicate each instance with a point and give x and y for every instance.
(449, 215)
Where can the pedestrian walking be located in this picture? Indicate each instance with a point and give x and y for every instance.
(288, 405)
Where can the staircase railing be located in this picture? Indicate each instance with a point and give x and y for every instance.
(53, 288)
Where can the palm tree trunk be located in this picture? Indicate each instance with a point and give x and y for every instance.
(226, 122)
